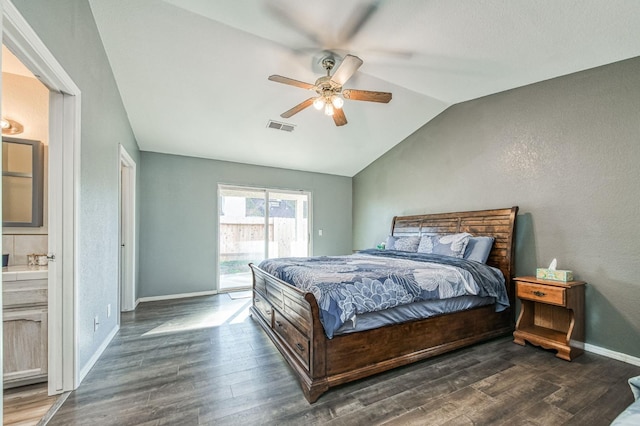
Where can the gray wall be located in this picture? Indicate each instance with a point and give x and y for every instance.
(179, 207)
(567, 152)
(68, 30)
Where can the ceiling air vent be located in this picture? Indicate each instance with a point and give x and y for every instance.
(280, 126)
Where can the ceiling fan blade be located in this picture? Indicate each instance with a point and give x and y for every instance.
(289, 19)
(356, 21)
(291, 82)
(338, 117)
(347, 68)
(296, 109)
(366, 95)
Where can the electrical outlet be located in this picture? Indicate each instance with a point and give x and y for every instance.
(96, 322)
(320, 232)
(109, 310)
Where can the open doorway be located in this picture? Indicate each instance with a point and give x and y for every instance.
(255, 224)
(127, 271)
(25, 239)
(63, 178)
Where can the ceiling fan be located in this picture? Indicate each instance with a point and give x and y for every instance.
(329, 90)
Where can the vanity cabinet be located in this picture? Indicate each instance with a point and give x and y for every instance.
(25, 342)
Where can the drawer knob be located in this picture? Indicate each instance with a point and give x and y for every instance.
(268, 312)
(300, 347)
(278, 323)
(539, 293)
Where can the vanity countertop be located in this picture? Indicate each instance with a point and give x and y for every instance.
(24, 272)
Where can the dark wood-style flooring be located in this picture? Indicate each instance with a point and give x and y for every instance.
(27, 405)
(204, 361)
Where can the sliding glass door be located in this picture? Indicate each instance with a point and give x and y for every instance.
(255, 224)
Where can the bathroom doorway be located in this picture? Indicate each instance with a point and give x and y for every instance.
(25, 239)
(63, 178)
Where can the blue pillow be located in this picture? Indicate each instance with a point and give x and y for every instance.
(427, 242)
(452, 245)
(478, 249)
(391, 243)
(402, 243)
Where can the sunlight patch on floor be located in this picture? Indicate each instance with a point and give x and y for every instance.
(234, 313)
(241, 316)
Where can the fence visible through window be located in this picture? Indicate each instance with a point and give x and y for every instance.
(255, 224)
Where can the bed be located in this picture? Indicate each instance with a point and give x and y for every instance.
(293, 319)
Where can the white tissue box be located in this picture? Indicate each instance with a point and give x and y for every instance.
(554, 274)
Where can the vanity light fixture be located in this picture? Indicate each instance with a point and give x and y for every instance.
(10, 127)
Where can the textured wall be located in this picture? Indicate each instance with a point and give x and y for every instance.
(68, 30)
(179, 204)
(567, 152)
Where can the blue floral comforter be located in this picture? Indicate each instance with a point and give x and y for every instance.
(373, 280)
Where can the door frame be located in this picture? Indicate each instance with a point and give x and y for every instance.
(127, 220)
(64, 189)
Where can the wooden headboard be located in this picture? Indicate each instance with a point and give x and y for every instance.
(499, 224)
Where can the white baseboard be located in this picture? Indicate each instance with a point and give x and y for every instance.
(588, 347)
(89, 365)
(612, 354)
(176, 296)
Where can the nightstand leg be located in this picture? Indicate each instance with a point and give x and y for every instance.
(517, 339)
(569, 353)
(524, 319)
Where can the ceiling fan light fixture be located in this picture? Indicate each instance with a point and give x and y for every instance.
(337, 101)
(318, 103)
(328, 109)
(330, 94)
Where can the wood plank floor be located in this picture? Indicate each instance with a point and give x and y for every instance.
(26, 405)
(204, 361)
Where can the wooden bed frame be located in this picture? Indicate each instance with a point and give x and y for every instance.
(290, 317)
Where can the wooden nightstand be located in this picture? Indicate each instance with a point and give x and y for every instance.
(552, 314)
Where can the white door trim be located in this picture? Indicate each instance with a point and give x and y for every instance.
(127, 270)
(1, 302)
(64, 184)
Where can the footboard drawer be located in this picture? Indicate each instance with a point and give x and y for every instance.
(264, 309)
(295, 340)
(298, 315)
(259, 283)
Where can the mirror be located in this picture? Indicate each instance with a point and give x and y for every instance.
(22, 182)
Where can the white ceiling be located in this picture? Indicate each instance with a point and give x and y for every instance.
(193, 73)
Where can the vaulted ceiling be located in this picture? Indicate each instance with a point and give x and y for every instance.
(193, 73)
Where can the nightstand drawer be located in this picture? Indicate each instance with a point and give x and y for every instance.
(542, 293)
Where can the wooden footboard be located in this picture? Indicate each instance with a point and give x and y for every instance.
(291, 318)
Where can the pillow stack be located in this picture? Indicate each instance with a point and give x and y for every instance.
(462, 245)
